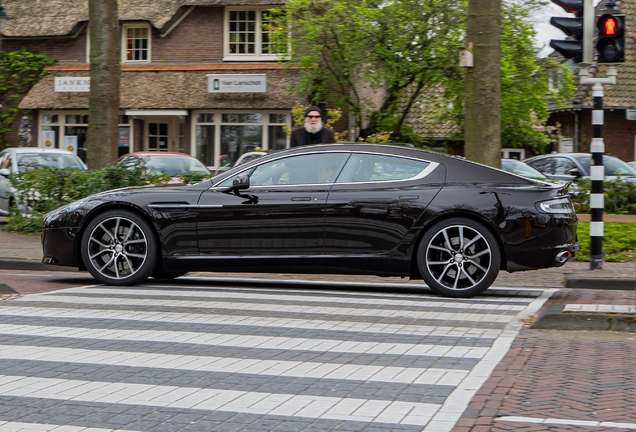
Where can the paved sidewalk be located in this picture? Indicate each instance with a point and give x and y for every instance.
(615, 285)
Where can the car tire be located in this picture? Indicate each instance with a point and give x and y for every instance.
(458, 257)
(119, 248)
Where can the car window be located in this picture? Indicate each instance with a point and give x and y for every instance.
(5, 161)
(613, 166)
(173, 165)
(520, 168)
(29, 161)
(544, 165)
(363, 167)
(563, 165)
(295, 170)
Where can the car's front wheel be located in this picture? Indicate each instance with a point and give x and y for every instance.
(458, 257)
(119, 248)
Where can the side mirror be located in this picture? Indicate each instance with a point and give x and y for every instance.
(575, 172)
(240, 182)
(5, 172)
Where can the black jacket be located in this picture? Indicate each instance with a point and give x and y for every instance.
(300, 137)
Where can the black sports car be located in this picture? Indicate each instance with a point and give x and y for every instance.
(339, 208)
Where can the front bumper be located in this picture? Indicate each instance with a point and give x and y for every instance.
(60, 247)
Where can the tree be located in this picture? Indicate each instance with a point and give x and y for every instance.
(482, 121)
(402, 47)
(525, 87)
(105, 75)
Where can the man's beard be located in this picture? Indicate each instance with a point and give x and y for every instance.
(313, 128)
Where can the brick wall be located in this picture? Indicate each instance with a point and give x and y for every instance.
(619, 134)
(197, 39)
(67, 50)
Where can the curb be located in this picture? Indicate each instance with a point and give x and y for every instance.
(31, 265)
(553, 318)
(608, 283)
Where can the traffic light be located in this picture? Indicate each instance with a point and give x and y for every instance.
(580, 28)
(611, 38)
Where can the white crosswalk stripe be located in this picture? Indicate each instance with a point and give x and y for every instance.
(248, 356)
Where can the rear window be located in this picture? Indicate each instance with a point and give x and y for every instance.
(362, 167)
(173, 166)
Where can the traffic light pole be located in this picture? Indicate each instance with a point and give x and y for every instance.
(597, 169)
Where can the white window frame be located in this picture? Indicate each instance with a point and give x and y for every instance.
(124, 40)
(505, 152)
(217, 123)
(258, 55)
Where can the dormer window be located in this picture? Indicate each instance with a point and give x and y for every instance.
(246, 35)
(135, 43)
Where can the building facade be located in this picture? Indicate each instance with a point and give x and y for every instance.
(198, 77)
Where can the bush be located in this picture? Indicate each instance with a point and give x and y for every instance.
(620, 196)
(619, 242)
(44, 189)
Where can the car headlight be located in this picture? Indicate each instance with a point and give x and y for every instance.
(48, 218)
(557, 205)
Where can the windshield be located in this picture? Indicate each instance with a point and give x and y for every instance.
(29, 161)
(522, 169)
(173, 165)
(613, 166)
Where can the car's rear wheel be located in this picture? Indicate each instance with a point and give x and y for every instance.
(458, 257)
(119, 248)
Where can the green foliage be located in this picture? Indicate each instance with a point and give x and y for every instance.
(44, 189)
(620, 196)
(619, 242)
(402, 48)
(19, 71)
(525, 89)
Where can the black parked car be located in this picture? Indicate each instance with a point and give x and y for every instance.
(573, 166)
(349, 209)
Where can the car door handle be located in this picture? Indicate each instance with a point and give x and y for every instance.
(409, 197)
(301, 199)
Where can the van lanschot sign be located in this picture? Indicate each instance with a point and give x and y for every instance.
(239, 83)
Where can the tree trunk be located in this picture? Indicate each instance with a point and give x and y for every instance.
(103, 110)
(482, 121)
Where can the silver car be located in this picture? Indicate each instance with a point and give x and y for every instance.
(19, 159)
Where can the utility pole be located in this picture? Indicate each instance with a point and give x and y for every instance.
(597, 169)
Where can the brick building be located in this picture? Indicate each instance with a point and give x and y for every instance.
(197, 75)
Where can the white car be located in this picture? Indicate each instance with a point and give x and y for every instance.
(19, 159)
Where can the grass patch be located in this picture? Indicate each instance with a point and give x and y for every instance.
(619, 242)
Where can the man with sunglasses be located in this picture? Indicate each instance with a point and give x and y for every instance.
(313, 132)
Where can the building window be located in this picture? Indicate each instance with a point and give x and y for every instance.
(247, 36)
(136, 43)
(513, 153)
(69, 131)
(221, 137)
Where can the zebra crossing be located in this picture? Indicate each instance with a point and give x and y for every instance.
(199, 357)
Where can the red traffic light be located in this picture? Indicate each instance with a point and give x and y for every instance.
(609, 26)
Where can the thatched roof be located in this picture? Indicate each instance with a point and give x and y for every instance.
(168, 90)
(38, 18)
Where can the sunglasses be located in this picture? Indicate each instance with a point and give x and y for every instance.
(310, 116)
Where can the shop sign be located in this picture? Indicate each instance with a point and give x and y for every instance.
(240, 83)
(48, 139)
(72, 84)
(70, 143)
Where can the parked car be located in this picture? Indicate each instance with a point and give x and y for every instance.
(573, 166)
(168, 163)
(632, 164)
(20, 159)
(523, 169)
(343, 208)
(225, 163)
